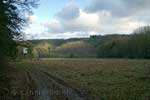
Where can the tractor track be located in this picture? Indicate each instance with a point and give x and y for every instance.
(52, 88)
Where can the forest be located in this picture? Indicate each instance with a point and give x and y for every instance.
(135, 45)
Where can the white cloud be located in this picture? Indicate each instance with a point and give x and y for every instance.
(129, 25)
(101, 17)
(100, 22)
(33, 18)
(84, 22)
(54, 26)
(34, 29)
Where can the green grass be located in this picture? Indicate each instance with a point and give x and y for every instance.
(103, 79)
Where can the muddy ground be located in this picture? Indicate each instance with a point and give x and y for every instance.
(37, 84)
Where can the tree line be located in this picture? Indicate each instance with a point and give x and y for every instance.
(136, 45)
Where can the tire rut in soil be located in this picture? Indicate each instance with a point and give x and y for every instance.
(52, 88)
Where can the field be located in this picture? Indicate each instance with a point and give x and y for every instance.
(85, 79)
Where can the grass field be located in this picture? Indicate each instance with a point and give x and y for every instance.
(99, 79)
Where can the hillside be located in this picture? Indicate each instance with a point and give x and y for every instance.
(74, 49)
(136, 45)
(77, 49)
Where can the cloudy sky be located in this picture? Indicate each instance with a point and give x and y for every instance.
(82, 18)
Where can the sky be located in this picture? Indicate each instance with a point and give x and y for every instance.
(55, 19)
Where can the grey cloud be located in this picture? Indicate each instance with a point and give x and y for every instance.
(118, 7)
(54, 27)
(70, 11)
(143, 16)
(137, 4)
(73, 19)
(65, 26)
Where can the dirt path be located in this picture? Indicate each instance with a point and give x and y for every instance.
(40, 85)
(52, 88)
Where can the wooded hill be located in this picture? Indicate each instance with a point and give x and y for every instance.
(135, 45)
